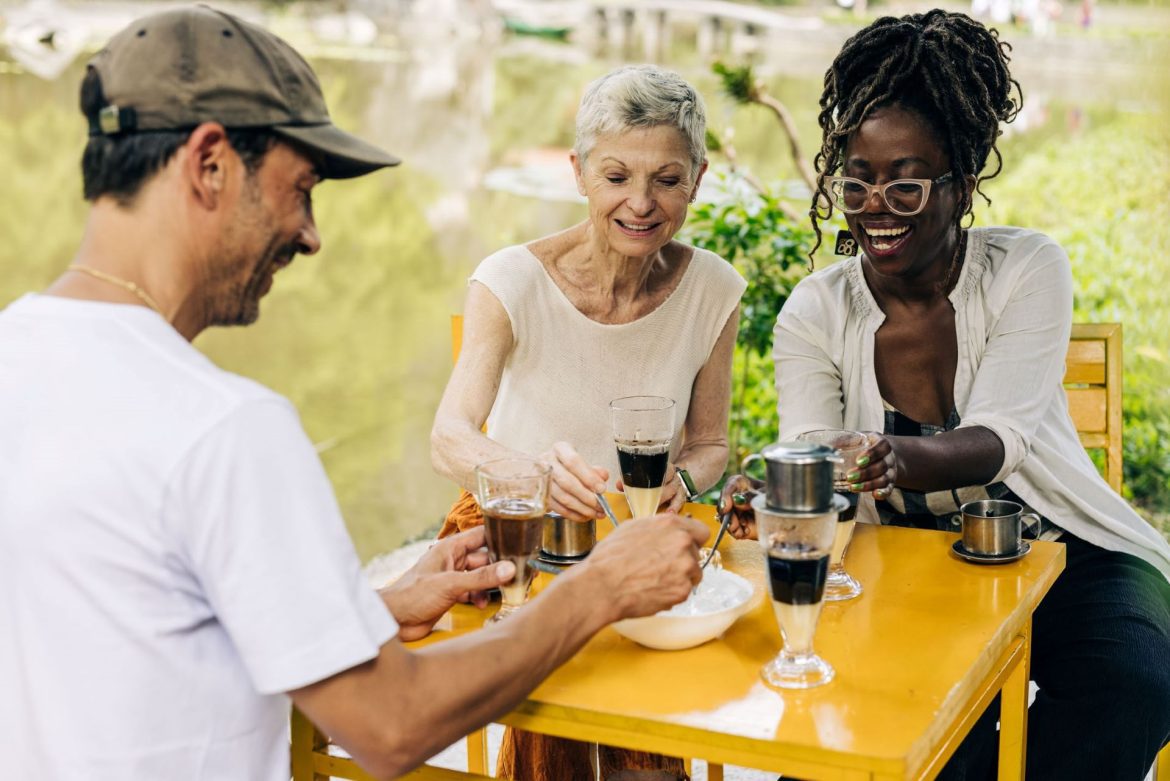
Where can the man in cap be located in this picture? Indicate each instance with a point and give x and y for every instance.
(173, 565)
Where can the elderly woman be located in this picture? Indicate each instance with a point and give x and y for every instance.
(614, 306)
(950, 342)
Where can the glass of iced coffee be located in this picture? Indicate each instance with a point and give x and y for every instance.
(513, 494)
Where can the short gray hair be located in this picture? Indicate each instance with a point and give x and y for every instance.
(641, 96)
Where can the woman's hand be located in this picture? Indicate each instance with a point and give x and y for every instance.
(574, 484)
(673, 496)
(876, 469)
(736, 498)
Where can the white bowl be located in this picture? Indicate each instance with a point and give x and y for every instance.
(670, 630)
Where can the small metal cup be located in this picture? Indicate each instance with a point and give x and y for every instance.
(566, 539)
(993, 527)
(799, 476)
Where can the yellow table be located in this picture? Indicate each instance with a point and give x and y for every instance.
(918, 657)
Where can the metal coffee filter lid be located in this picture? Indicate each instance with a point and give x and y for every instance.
(798, 453)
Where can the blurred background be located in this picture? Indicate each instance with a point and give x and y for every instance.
(479, 96)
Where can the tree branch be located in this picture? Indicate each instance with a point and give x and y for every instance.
(782, 114)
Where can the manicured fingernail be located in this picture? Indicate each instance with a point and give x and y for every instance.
(855, 487)
(852, 476)
(738, 498)
(863, 460)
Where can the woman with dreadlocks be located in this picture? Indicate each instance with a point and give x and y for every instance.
(950, 342)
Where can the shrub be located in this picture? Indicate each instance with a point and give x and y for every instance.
(755, 234)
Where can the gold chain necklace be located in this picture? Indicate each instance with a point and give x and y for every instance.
(122, 283)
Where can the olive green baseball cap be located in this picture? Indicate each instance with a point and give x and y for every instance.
(176, 69)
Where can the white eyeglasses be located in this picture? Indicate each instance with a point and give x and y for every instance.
(904, 197)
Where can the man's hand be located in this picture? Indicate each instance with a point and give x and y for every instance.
(647, 565)
(455, 569)
(736, 498)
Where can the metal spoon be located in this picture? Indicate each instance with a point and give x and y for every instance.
(724, 520)
(608, 510)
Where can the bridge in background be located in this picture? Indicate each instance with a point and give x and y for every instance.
(718, 25)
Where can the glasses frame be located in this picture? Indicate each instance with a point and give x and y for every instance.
(926, 185)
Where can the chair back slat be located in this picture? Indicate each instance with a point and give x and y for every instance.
(1092, 379)
(1085, 362)
(1089, 408)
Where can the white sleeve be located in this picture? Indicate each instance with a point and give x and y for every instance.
(255, 517)
(809, 387)
(1024, 359)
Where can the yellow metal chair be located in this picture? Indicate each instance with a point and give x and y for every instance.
(311, 760)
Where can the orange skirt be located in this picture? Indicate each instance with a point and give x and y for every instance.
(529, 756)
(463, 515)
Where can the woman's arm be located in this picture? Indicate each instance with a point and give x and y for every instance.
(457, 439)
(704, 451)
(1020, 373)
(953, 459)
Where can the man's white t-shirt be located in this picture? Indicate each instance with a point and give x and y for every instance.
(172, 559)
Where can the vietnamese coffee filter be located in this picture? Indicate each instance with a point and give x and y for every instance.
(799, 476)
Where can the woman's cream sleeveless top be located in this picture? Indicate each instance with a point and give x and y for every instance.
(564, 368)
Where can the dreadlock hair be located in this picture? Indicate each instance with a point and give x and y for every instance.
(946, 67)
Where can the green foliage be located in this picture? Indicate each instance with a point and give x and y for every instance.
(737, 81)
(765, 246)
(42, 219)
(771, 252)
(1147, 460)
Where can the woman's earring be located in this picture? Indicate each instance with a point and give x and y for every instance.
(846, 244)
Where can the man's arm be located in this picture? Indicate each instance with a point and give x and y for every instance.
(402, 707)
